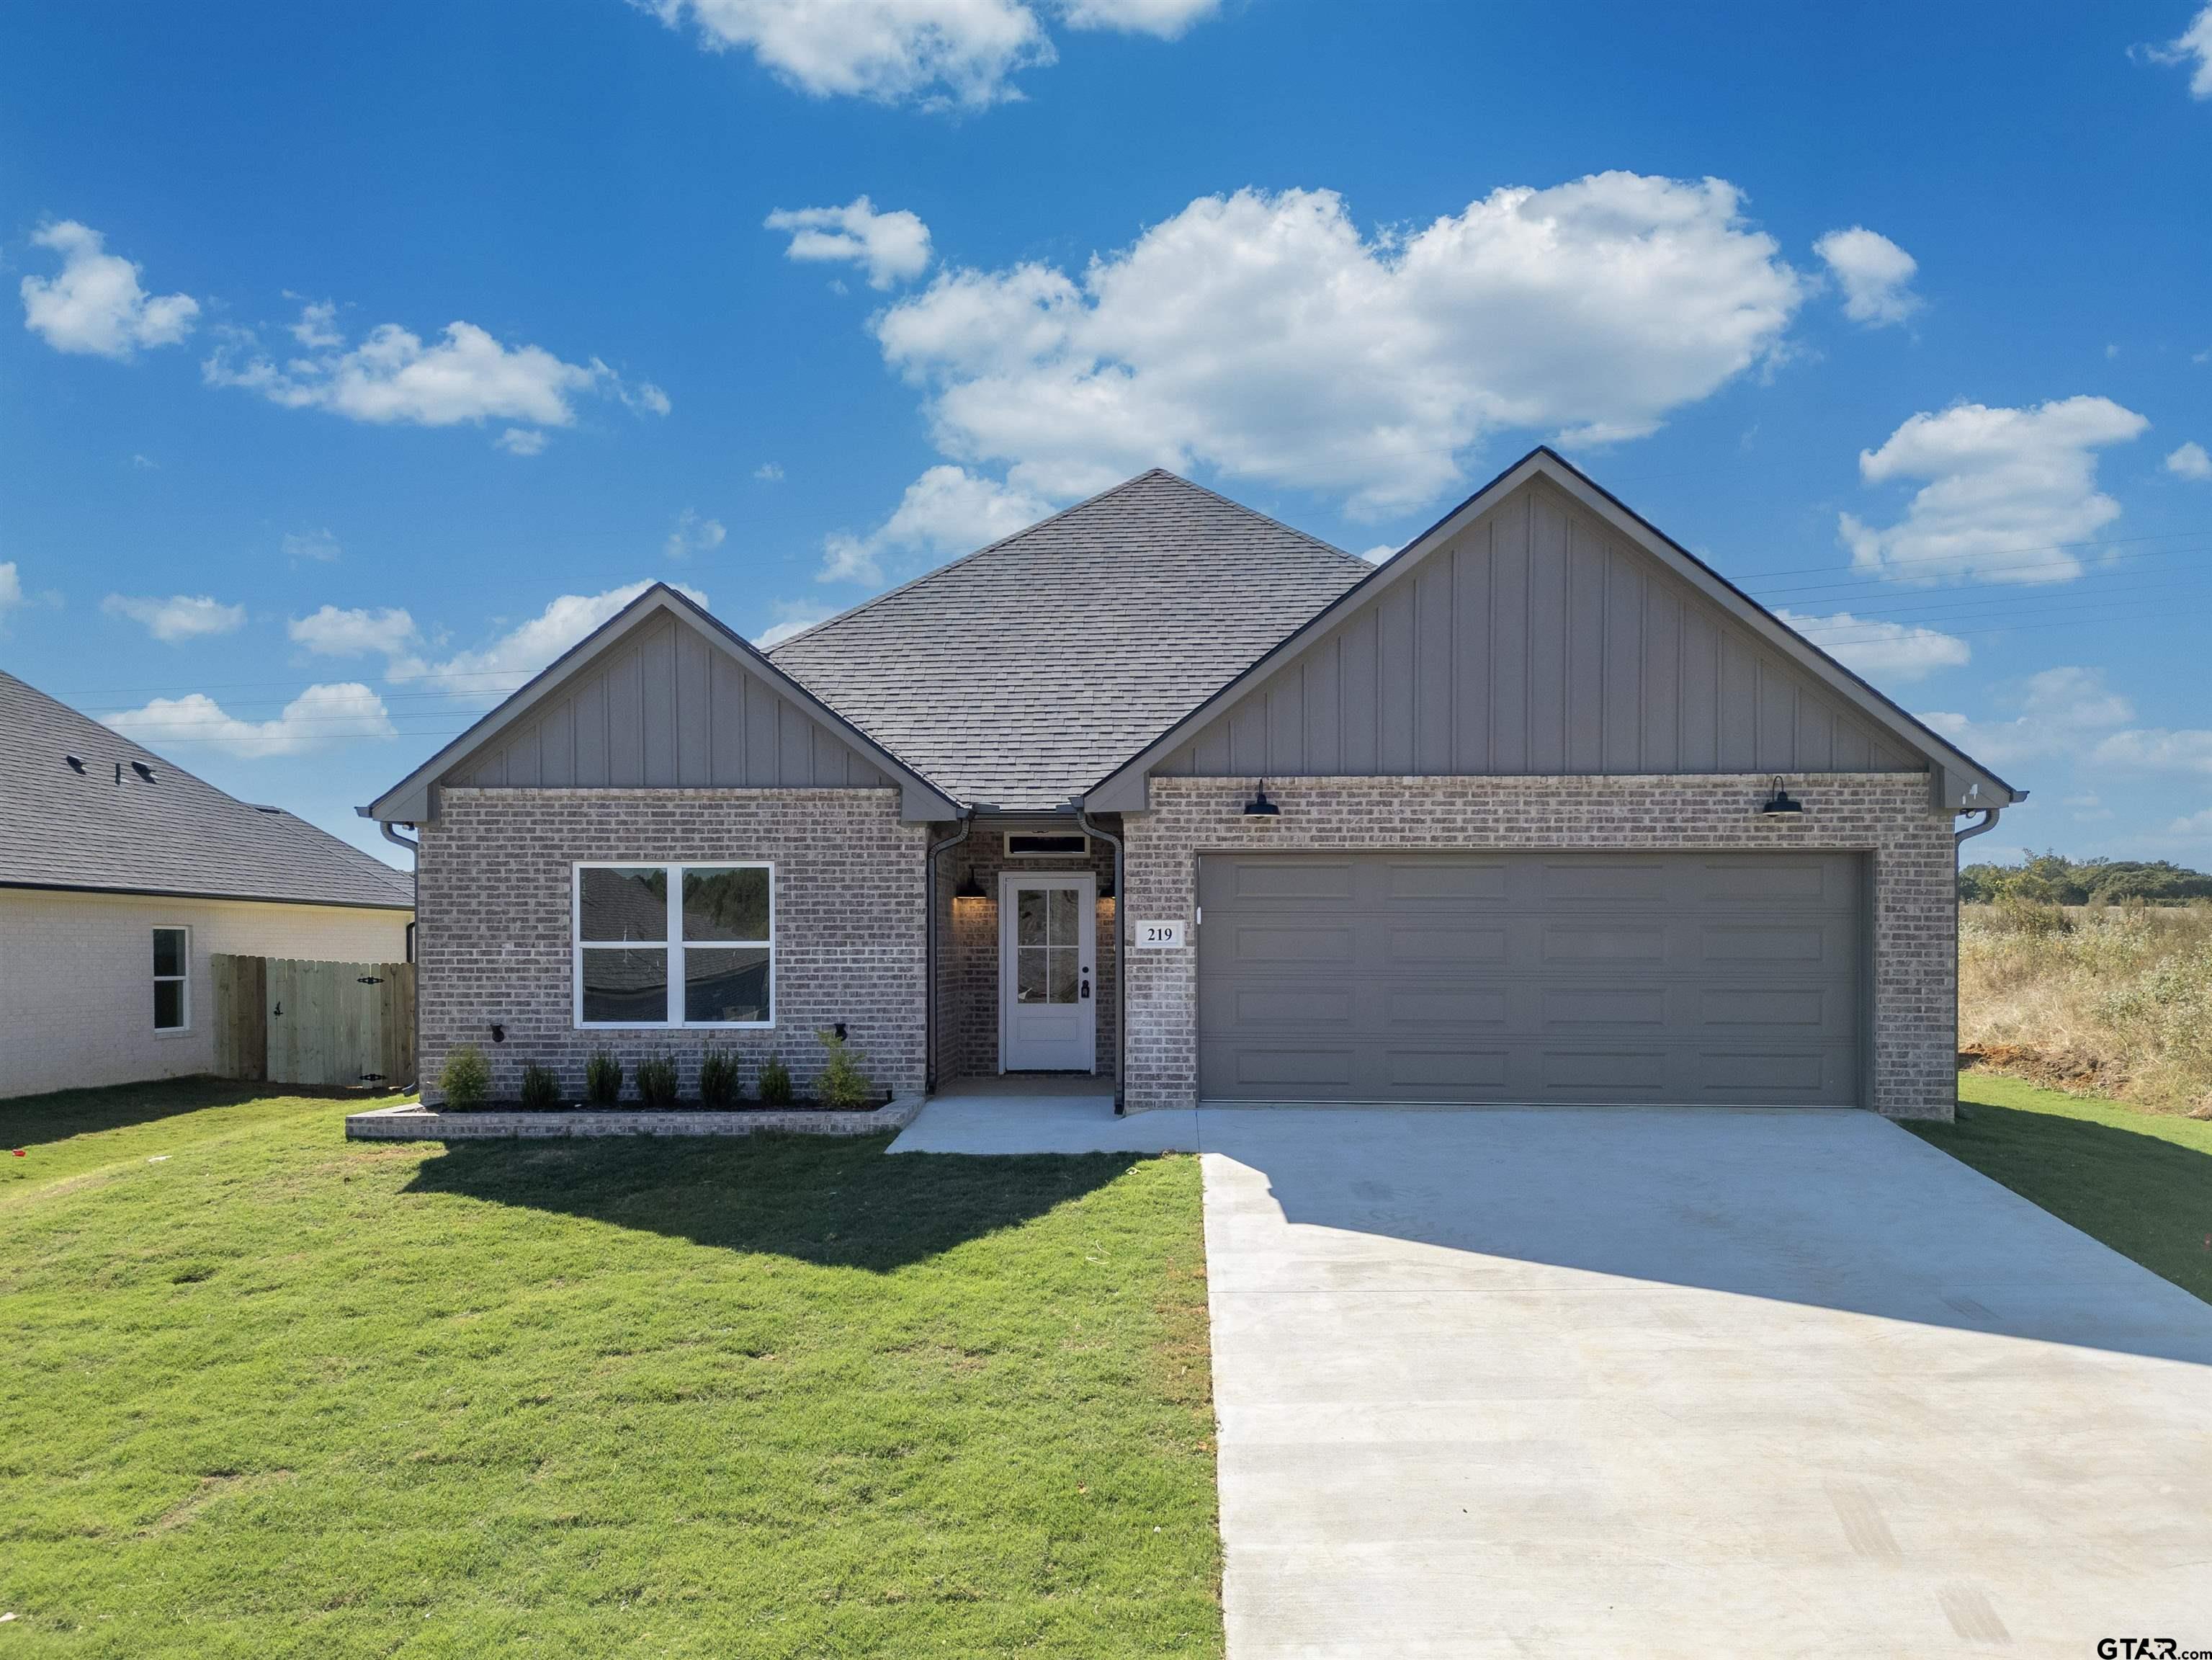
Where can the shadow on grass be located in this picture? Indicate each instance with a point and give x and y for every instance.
(2148, 1198)
(833, 1201)
(31, 1120)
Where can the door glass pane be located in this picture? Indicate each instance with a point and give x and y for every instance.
(1028, 917)
(1060, 987)
(624, 904)
(168, 1005)
(725, 904)
(168, 950)
(1029, 974)
(630, 987)
(1063, 917)
(725, 984)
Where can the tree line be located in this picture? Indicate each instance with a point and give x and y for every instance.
(2051, 879)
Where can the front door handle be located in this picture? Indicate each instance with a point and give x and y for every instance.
(1087, 984)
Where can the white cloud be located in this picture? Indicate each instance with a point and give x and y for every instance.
(2089, 809)
(391, 376)
(2155, 749)
(2061, 710)
(791, 617)
(894, 246)
(692, 535)
(2196, 825)
(319, 718)
(962, 52)
(1265, 336)
(489, 673)
(768, 472)
(330, 632)
(317, 329)
(1379, 553)
(180, 617)
(521, 440)
(94, 303)
(2189, 461)
(1873, 272)
(1882, 650)
(318, 545)
(2195, 44)
(2009, 490)
(1164, 19)
(946, 511)
(11, 587)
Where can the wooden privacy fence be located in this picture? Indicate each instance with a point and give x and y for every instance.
(285, 1021)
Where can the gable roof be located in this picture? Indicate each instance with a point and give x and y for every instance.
(112, 829)
(1957, 780)
(1016, 676)
(414, 799)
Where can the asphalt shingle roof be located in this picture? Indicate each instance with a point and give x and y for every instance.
(171, 833)
(1023, 674)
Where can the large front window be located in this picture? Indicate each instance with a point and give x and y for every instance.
(674, 944)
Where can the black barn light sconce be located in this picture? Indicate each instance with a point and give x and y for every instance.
(970, 888)
(1781, 801)
(1259, 806)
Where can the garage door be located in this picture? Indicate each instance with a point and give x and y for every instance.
(1693, 978)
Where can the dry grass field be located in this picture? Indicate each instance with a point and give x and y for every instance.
(2112, 1000)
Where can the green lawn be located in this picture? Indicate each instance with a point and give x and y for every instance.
(2140, 1182)
(266, 1392)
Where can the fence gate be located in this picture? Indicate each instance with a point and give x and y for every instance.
(288, 1021)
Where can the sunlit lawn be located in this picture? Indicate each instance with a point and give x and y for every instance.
(266, 1392)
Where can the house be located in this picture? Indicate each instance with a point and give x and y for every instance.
(121, 874)
(1540, 808)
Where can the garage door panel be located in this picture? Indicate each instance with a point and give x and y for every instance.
(1550, 977)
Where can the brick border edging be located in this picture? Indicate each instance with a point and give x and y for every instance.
(415, 1122)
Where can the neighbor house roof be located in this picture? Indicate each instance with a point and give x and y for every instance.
(130, 822)
(1018, 676)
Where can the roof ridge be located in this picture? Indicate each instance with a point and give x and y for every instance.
(1268, 518)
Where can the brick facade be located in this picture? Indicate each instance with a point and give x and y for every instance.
(493, 891)
(1914, 870)
(967, 953)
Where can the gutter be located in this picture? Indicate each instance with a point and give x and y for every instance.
(929, 948)
(1092, 827)
(1989, 822)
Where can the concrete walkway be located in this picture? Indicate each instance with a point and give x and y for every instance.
(1685, 1382)
(1009, 1114)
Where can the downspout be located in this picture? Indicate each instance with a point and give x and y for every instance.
(1091, 827)
(1989, 822)
(929, 950)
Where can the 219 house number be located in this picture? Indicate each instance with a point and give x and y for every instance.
(1159, 936)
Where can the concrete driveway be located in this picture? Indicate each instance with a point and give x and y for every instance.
(1686, 1383)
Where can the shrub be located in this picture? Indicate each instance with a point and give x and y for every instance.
(541, 1087)
(603, 1080)
(466, 1078)
(842, 1082)
(775, 1083)
(656, 1081)
(717, 1078)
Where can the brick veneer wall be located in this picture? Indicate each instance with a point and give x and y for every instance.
(968, 961)
(1914, 890)
(493, 942)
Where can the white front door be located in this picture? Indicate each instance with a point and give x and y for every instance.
(1048, 1001)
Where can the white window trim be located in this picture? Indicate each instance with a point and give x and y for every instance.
(184, 1028)
(1084, 852)
(674, 945)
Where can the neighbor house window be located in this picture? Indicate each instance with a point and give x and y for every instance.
(674, 944)
(173, 979)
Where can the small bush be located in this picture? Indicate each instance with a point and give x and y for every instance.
(656, 1081)
(717, 1078)
(603, 1080)
(775, 1083)
(466, 1078)
(843, 1082)
(541, 1087)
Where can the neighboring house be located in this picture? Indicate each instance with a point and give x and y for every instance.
(120, 873)
(1482, 823)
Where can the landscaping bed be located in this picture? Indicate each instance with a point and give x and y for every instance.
(413, 1121)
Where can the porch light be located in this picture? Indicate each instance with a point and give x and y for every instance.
(1259, 806)
(970, 888)
(1780, 801)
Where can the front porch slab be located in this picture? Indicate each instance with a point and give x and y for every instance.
(989, 1117)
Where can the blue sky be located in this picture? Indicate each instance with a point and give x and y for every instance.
(363, 357)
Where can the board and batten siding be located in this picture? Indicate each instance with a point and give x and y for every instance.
(1537, 641)
(665, 708)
